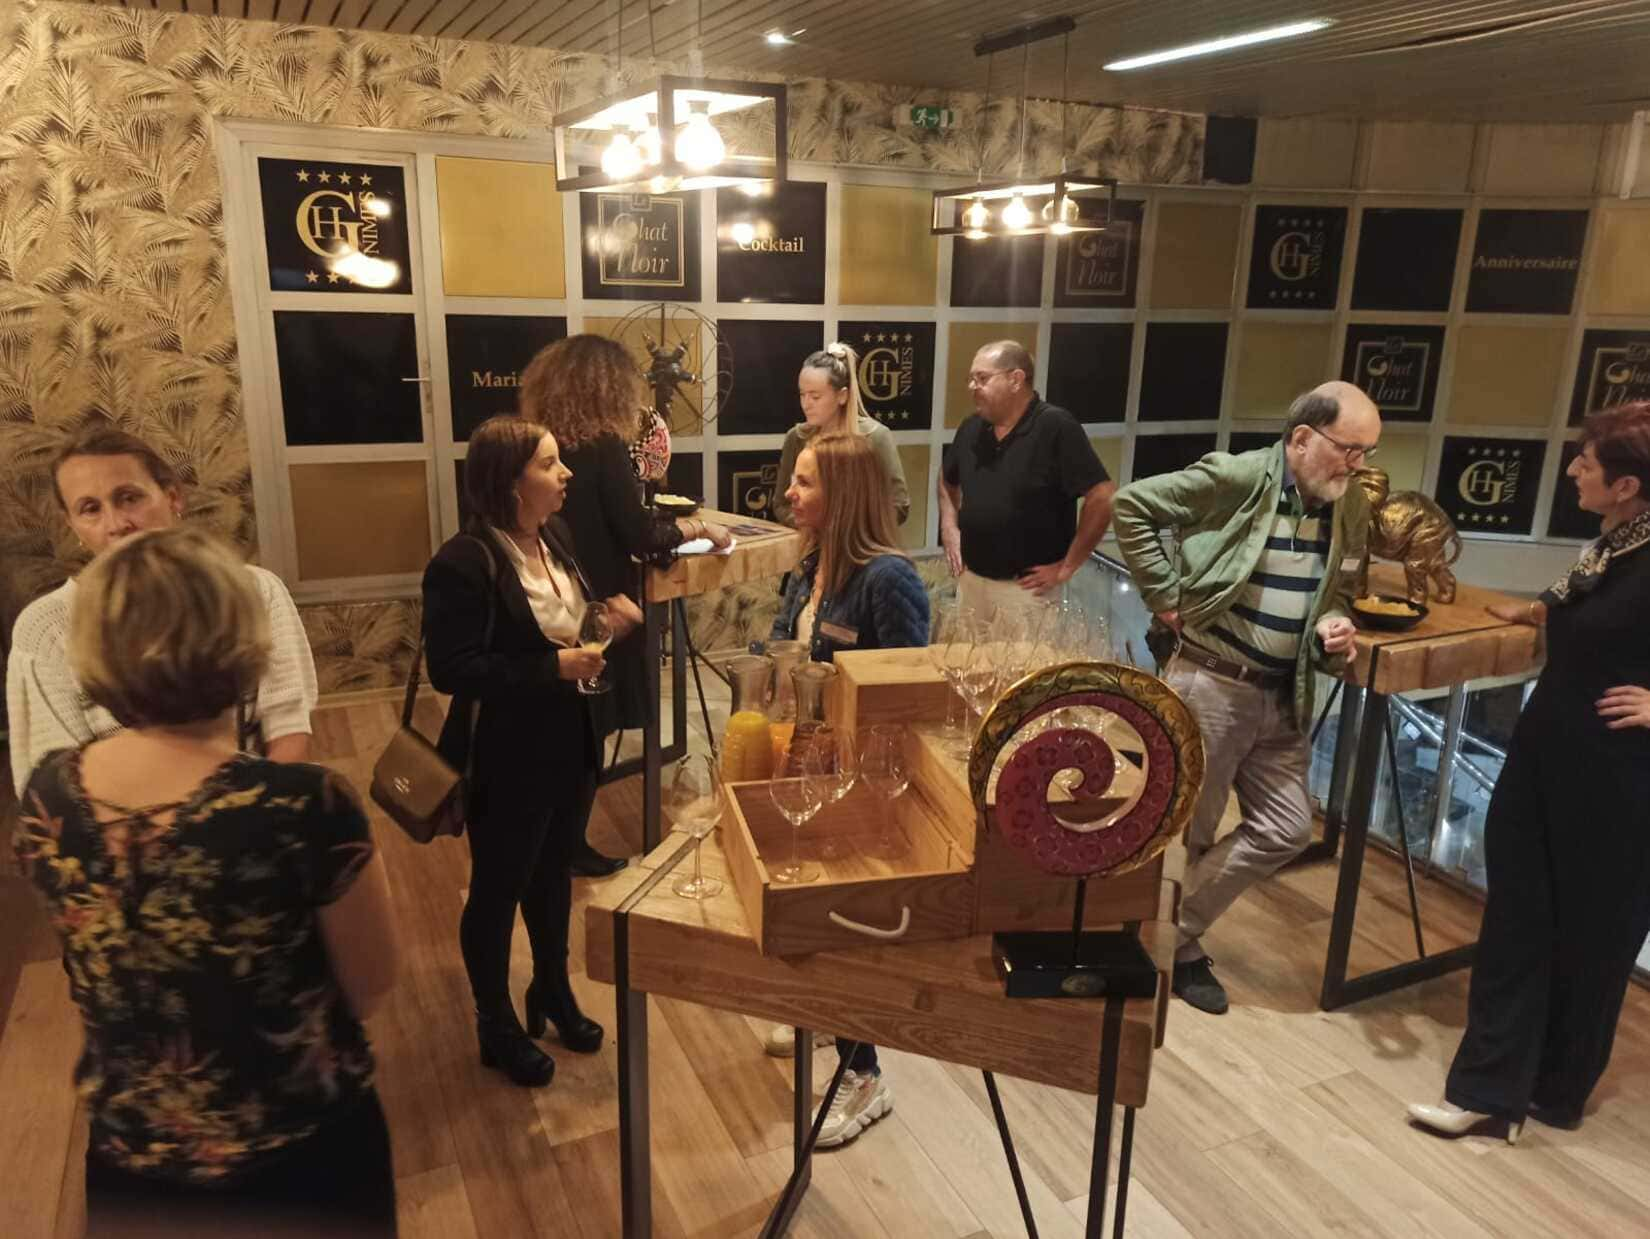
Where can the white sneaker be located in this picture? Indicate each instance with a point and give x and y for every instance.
(860, 1101)
(781, 1042)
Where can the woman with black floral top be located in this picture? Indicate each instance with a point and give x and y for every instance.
(225, 922)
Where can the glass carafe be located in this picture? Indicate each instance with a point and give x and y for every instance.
(747, 744)
(811, 685)
(787, 656)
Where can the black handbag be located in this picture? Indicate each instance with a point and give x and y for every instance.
(412, 781)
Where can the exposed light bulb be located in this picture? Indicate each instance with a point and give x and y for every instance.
(976, 216)
(622, 159)
(699, 147)
(1017, 215)
(1060, 214)
(974, 234)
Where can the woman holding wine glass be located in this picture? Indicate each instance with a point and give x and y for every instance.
(854, 590)
(506, 606)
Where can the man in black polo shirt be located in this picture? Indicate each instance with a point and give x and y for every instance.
(1009, 488)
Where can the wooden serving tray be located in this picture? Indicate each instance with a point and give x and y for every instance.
(886, 877)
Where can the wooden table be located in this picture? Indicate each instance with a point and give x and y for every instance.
(942, 999)
(768, 554)
(1455, 643)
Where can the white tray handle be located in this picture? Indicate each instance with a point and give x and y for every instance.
(871, 931)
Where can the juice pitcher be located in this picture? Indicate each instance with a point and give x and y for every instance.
(787, 656)
(747, 744)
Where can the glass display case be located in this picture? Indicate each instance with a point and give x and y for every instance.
(1449, 744)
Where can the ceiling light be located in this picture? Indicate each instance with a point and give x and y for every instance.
(775, 39)
(977, 216)
(664, 133)
(1210, 46)
(1017, 215)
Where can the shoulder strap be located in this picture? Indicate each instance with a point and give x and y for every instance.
(486, 639)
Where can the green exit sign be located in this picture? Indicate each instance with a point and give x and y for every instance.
(930, 117)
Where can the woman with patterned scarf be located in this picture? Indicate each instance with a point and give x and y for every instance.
(1567, 838)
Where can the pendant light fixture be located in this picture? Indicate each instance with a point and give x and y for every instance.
(663, 135)
(1021, 207)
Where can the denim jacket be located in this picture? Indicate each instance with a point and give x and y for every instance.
(882, 606)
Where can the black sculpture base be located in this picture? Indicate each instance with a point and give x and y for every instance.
(1098, 964)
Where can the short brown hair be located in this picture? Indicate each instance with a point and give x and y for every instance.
(167, 628)
(101, 438)
(1620, 438)
(581, 388)
(1012, 355)
(500, 449)
(859, 520)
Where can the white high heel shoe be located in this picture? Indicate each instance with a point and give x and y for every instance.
(1452, 1120)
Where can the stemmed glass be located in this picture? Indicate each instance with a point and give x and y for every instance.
(798, 796)
(695, 800)
(950, 651)
(883, 769)
(595, 632)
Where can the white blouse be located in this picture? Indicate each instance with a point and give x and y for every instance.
(558, 604)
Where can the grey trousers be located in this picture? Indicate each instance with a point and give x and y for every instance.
(1250, 742)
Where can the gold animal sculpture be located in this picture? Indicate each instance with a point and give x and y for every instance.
(1412, 529)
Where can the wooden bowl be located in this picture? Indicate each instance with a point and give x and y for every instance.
(1389, 623)
(673, 506)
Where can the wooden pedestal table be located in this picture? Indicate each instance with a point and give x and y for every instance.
(941, 999)
(1456, 642)
(768, 554)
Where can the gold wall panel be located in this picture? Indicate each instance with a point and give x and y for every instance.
(1404, 457)
(1195, 259)
(1621, 257)
(360, 518)
(888, 254)
(913, 458)
(501, 233)
(681, 329)
(1506, 376)
(966, 339)
(1277, 362)
(1110, 451)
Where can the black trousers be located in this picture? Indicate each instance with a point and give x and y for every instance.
(864, 1059)
(339, 1182)
(1568, 867)
(521, 861)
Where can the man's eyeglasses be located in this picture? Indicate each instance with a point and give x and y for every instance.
(1349, 450)
(980, 378)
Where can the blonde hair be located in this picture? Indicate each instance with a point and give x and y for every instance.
(581, 388)
(859, 519)
(840, 366)
(167, 628)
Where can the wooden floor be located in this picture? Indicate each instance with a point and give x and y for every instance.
(1275, 1119)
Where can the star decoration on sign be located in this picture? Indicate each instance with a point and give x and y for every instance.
(343, 178)
(332, 277)
(365, 179)
(325, 178)
(311, 278)
(303, 174)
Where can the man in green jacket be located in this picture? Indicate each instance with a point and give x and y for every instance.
(1253, 596)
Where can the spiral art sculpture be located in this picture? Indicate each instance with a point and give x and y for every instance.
(1070, 846)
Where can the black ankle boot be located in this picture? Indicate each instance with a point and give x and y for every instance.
(506, 1048)
(587, 862)
(554, 1003)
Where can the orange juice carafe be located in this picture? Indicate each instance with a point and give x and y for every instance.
(787, 656)
(747, 744)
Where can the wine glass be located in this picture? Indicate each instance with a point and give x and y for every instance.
(797, 798)
(945, 650)
(695, 800)
(595, 632)
(883, 769)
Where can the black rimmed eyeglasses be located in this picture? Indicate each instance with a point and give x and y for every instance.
(1349, 450)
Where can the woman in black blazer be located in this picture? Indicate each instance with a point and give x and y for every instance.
(587, 392)
(533, 780)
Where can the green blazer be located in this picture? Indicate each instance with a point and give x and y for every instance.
(1221, 510)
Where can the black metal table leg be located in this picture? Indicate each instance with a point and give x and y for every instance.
(785, 1207)
(1338, 989)
(1346, 744)
(1125, 1155)
(1008, 1151)
(652, 636)
(1111, 1039)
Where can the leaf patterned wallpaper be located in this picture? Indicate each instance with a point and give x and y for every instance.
(114, 297)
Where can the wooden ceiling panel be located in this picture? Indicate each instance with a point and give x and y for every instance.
(1558, 60)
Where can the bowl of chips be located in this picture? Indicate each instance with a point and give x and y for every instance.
(1388, 612)
(675, 505)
